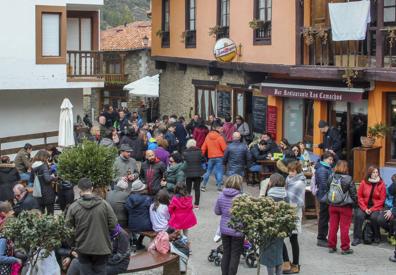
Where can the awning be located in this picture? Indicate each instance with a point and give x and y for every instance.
(147, 86)
(326, 93)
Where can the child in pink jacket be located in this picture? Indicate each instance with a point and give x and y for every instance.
(181, 212)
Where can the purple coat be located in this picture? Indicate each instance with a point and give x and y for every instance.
(162, 154)
(223, 208)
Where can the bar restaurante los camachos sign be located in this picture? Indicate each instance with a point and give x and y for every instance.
(312, 92)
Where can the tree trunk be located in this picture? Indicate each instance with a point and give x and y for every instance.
(258, 257)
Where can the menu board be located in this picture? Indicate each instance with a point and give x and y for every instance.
(223, 104)
(271, 121)
(259, 114)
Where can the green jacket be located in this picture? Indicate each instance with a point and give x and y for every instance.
(93, 219)
(175, 174)
(22, 161)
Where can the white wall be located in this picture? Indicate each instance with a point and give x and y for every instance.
(26, 112)
(17, 48)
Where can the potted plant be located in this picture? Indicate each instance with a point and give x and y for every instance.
(38, 235)
(378, 130)
(256, 24)
(88, 160)
(262, 220)
(159, 33)
(214, 31)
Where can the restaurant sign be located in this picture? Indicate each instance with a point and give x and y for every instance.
(312, 92)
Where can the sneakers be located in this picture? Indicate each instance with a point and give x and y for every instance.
(356, 242)
(219, 188)
(377, 241)
(392, 258)
(322, 243)
(203, 188)
(332, 250)
(286, 267)
(347, 252)
(196, 207)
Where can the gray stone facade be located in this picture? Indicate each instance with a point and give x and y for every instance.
(177, 93)
(91, 102)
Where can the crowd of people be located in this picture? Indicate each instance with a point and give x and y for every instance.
(158, 167)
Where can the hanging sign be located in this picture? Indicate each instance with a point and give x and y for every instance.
(225, 50)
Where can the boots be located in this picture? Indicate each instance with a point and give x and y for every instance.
(286, 267)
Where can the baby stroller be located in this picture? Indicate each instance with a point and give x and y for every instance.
(248, 253)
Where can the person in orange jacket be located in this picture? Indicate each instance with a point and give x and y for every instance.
(214, 147)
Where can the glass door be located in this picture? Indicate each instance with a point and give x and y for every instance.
(391, 140)
(293, 122)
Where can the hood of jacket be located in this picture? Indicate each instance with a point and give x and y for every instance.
(298, 177)
(182, 202)
(277, 192)
(136, 199)
(213, 135)
(37, 164)
(7, 167)
(107, 142)
(176, 168)
(89, 201)
(228, 125)
(231, 192)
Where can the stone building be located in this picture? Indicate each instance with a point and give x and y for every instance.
(126, 51)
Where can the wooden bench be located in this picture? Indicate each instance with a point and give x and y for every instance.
(152, 259)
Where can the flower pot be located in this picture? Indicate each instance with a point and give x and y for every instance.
(367, 142)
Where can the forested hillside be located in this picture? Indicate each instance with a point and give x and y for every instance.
(118, 12)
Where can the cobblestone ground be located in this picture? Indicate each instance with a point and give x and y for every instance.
(367, 259)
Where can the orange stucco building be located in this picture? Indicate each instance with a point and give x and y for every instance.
(288, 73)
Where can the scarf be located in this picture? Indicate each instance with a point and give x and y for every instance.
(376, 180)
(296, 189)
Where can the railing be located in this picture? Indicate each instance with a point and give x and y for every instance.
(223, 32)
(42, 145)
(190, 39)
(263, 31)
(165, 39)
(116, 78)
(321, 50)
(87, 64)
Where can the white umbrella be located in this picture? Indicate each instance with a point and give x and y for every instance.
(147, 86)
(66, 135)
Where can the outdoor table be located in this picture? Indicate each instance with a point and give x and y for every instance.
(270, 164)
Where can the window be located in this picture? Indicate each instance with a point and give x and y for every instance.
(391, 139)
(223, 18)
(206, 102)
(190, 31)
(389, 12)
(308, 122)
(263, 15)
(165, 38)
(50, 35)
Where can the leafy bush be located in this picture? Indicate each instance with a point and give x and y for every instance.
(262, 220)
(88, 160)
(36, 233)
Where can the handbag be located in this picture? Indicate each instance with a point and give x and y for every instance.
(36, 187)
(367, 234)
(249, 137)
(65, 185)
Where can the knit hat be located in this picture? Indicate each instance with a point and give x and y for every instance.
(138, 186)
(323, 124)
(126, 147)
(122, 184)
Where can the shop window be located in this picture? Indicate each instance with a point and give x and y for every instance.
(206, 102)
(165, 36)
(308, 122)
(190, 31)
(391, 140)
(263, 15)
(293, 112)
(223, 18)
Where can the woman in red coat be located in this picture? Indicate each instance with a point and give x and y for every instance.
(200, 133)
(371, 199)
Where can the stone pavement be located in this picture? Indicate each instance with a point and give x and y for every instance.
(367, 259)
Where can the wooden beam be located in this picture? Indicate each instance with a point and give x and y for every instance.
(380, 35)
(299, 24)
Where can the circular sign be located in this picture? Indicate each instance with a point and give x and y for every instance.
(225, 50)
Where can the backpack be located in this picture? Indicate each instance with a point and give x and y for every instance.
(160, 243)
(335, 195)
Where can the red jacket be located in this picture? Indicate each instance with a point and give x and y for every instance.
(214, 145)
(379, 195)
(228, 129)
(181, 213)
(200, 134)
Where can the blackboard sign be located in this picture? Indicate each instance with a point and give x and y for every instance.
(223, 104)
(259, 114)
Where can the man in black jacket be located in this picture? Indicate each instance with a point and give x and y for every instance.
(271, 146)
(152, 173)
(258, 152)
(25, 200)
(331, 140)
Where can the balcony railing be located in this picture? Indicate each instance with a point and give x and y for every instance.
(165, 39)
(190, 38)
(223, 32)
(84, 64)
(321, 50)
(116, 79)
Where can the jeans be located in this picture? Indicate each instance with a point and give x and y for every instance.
(360, 216)
(388, 225)
(323, 224)
(196, 182)
(88, 265)
(216, 165)
(295, 249)
(277, 270)
(256, 168)
(340, 216)
(233, 248)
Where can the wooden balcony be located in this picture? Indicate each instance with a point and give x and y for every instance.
(115, 79)
(83, 65)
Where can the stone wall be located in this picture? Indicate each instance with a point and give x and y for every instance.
(91, 101)
(177, 93)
